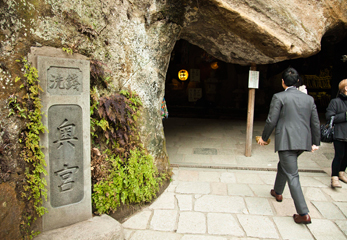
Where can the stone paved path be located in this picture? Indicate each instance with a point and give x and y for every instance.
(219, 204)
(221, 142)
(236, 204)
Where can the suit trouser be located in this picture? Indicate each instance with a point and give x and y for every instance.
(287, 170)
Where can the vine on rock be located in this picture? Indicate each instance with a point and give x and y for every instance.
(29, 107)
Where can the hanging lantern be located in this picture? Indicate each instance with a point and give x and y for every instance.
(214, 65)
(183, 75)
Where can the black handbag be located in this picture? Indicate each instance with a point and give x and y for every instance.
(327, 131)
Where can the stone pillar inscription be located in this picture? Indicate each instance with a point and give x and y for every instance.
(66, 106)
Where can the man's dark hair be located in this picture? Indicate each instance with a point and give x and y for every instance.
(290, 77)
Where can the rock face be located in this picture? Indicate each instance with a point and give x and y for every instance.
(134, 40)
(10, 212)
(263, 31)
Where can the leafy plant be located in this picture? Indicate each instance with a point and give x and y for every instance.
(29, 108)
(67, 50)
(137, 181)
(15, 106)
(116, 115)
(125, 173)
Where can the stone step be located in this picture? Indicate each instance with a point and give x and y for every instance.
(96, 228)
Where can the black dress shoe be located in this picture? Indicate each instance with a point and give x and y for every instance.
(302, 219)
(278, 197)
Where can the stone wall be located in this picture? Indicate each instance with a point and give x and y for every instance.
(134, 39)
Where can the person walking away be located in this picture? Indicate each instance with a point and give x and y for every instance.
(295, 117)
(300, 85)
(338, 109)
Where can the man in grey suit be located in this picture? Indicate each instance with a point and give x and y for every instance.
(294, 115)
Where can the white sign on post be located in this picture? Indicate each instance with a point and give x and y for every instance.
(253, 79)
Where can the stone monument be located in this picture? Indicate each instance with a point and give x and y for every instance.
(66, 107)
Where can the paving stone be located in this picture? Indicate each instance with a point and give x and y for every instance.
(314, 213)
(323, 229)
(245, 238)
(164, 201)
(258, 206)
(175, 173)
(287, 208)
(198, 159)
(220, 204)
(228, 177)
(219, 188)
(171, 188)
(187, 176)
(339, 195)
(310, 182)
(314, 194)
(209, 176)
(290, 230)
(264, 190)
(171, 150)
(224, 159)
(223, 224)
(239, 189)
(177, 158)
(98, 227)
(196, 196)
(342, 206)
(127, 233)
(185, 150)
(250, 178)
(139, 221)
(154, 235)
(185, 202)
(193, 187)
(201, 237)
(175, 170)
(284, 208)
(323, 163)
(205, 151)
(307, 164)
(225, 151)
(191, 222)
(329, 155)
(342, 225)
(268, 178)
(328, 210)
(313, 174)
(164, 220)
(325, 180)
(258, 226)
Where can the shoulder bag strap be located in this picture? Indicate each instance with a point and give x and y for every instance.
(331, 121)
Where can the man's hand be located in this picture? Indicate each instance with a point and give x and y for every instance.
(262, 142)
(314, 148)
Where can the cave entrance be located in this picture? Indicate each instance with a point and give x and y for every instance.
(208, 111)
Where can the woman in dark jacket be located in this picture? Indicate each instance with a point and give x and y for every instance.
(338, 108)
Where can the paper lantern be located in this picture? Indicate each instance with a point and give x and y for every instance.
(214, 65)
(183, 75)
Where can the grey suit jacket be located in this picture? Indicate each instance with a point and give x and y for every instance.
(295, 117)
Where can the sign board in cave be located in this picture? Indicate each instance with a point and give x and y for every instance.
(253, 79)
(66, 106)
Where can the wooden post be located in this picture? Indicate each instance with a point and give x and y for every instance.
(250, 118)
